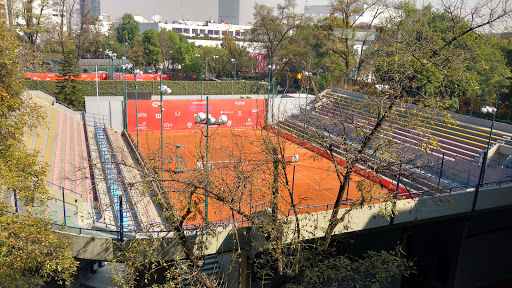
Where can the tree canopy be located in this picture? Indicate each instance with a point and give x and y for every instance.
(30, 251)
(127, 29)
(152, 51)
(69, 90)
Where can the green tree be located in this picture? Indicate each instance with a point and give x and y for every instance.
(274, 27)
(136, 52)
(69, 90)
(152, 52)
(33, 18)
(127, 29)
(30, 252)
(167, 40)
(245, 62)
(185, 55)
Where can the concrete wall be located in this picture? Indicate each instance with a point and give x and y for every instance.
(111, 107)
(283, 107)
(409, 210)
(313, 225)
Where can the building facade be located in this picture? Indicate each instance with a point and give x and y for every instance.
(229, 11)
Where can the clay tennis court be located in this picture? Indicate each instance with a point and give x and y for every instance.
(241, 171)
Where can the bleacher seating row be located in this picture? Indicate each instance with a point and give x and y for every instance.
(458, 141)
(60, 142)
(460, 144)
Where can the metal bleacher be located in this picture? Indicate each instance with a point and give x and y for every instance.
(119, 179)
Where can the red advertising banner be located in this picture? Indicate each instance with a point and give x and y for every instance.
(180, 114)
(100, 76)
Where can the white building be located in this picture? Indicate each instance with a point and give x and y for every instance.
(192, 28)
(368, 15)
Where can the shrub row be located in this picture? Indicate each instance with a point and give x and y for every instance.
(113, 87)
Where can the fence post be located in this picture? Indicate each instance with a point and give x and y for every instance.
(348, 187)
(64, 206)
(396, 196)
(477, 189)
(16, 201)
(293, 180)
(440, 173)
(121, 228)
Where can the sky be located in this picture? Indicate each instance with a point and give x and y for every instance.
(196, 10)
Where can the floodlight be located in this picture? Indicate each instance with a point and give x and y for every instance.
(493, 110)
(223, 119)
(212, 120)
(200, 117)
(484, 110)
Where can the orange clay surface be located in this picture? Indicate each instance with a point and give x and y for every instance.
(314, 183)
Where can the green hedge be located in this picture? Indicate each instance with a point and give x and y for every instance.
(115, 88)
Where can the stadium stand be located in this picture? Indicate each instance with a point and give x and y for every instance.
(146, 212)
(460, 146)
(59, 142)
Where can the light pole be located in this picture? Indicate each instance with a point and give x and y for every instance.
(111, 57)
(135, 73)
(107, 52)
(114, 57)
(166, 90)
(234, 74)
(307, 92)
(170, 65)
(214, 57)
(200, 76)
(306, 104)
(125, 95)
(269, 69)
(489, 110)
(207, 119)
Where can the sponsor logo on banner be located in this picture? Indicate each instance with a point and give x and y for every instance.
(167, 125)
(249, 122)
(229, 123)
(239, 113)
(177, 113)
(197, 108)
(199, 102)
(143, 115)
(142, 125)
(239, 103)
(226, 112)
(254, 110)
(158, 116)
(189, 124)
(155, 104)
